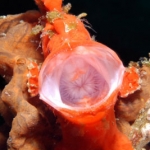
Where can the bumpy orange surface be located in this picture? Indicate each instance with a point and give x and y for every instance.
(80, 80)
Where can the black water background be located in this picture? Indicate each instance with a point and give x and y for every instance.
(123, 25)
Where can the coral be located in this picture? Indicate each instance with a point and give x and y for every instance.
(26, 125)
(132, 112)
(140, 130)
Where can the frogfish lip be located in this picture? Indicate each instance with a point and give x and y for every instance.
(80, 79)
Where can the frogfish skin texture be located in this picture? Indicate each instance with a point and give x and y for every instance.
(80, 80)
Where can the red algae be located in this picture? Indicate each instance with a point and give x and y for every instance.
(80, 80)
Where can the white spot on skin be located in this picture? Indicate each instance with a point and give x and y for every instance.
(2, 34)
(21, 21)
(31, 66)
(7, 93)
(29, 91)
(33, 85)
(28, 84)
(29, 75)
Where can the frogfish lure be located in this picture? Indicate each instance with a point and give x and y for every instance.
(80, 80)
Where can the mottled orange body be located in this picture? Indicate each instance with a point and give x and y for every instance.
(92, 130)
(80, 80)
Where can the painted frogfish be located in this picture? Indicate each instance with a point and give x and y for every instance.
(80, 80)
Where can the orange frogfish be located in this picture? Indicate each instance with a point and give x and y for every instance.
(80, 80)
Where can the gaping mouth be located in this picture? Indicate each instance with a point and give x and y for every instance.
(81, 84)
(80, 79)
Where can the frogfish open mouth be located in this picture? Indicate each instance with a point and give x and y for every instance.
(80, 79)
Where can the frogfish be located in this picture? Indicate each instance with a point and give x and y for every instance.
(80, 80)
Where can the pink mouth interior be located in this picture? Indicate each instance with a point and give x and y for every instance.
(81, 84)
(81, 79)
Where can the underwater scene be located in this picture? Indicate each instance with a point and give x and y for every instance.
(74, 75)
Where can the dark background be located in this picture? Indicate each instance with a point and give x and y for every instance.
(123, 25)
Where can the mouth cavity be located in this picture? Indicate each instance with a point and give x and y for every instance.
(81, 85)
(82, 79)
